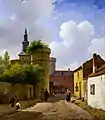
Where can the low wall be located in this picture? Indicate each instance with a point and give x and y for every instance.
(22, 91)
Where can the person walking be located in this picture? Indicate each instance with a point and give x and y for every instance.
(12, 101)
(46, 94)
(68, 96)
(42, 94)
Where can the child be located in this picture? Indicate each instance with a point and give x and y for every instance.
(18, 106)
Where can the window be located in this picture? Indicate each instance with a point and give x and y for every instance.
(92, 89)
(78, 74)
(76, 87)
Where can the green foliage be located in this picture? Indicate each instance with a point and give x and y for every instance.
(6, 58)
(34, 74)
(4, 62)
(14, 74)
(27, 74)
(36, 45)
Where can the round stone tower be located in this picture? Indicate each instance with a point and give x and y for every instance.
(42, 57)
(52, 65)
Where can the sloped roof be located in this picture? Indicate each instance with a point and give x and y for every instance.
(88, 66)
(77, 69)
(99, 72)
(22, 53)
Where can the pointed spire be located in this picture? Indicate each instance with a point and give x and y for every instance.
(25, 35)
(25, 42)
(26, 31)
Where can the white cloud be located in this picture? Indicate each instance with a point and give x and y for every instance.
(23, 15)
(74, 45)
(34, 14)
(98, 46)
(68, 32)
(73, 33)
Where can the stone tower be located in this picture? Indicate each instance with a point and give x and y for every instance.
(52, 65)
(42, 57)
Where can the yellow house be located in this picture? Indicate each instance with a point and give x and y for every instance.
(81, 75)
(78, 82)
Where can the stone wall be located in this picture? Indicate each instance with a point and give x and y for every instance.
(22, 91)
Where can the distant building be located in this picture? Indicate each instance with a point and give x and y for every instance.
(81, 75)
(60, 80)
(96, 88)
(52, 65)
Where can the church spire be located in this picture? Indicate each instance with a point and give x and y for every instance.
(25, 42)
(25, 35)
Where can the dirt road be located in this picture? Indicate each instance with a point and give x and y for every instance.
(52, 110)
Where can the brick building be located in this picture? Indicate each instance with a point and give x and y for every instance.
(60, 80)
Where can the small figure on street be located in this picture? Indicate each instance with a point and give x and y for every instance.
(12, 101)
(46, 95)
(18, 106)
(68, 96)
(42, 94)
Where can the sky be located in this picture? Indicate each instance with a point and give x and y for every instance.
(74, 29)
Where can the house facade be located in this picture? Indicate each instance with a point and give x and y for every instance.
(78, 82)
(96, 89)
(81, 75)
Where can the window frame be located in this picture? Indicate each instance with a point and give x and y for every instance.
(92, 89)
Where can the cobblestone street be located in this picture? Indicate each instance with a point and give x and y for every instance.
(52, 110)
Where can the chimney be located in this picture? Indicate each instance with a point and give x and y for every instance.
(94, 62)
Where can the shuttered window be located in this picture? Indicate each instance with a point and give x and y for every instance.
(92, 89)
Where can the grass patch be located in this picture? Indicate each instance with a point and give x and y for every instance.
(97, 113)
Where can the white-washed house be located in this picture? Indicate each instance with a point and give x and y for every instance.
(96, 88)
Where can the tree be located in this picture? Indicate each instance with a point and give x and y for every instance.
(2, 67)
(4, 62)
(1, 60)
(14, 74)
(6, 59)
(36, 45)
(34, 74)
(26, 74)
